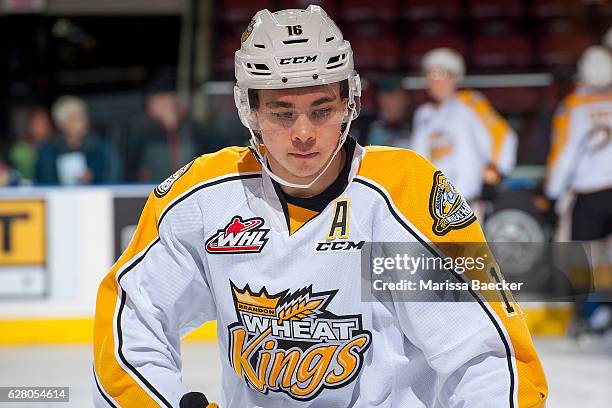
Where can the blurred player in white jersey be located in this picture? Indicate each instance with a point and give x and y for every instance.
(580, 163)
(460, 132)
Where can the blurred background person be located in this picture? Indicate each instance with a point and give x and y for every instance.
(392, 125)
(37, 129)
(459, 131)
(580, 163)
(76, 155)
(165, 137)
(579, 158)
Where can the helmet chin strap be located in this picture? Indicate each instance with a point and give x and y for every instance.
(263, 160)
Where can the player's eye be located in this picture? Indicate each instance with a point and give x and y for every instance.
(282, 115)
(321, 114)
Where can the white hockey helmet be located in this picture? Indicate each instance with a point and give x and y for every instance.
(595, 67)
(445, 59)
(293, 48)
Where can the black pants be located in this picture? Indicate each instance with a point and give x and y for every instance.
(592, 216)
(591, 221)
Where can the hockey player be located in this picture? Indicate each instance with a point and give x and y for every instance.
(579, 163)
(266, 241)
(460, 132)
(581, 146)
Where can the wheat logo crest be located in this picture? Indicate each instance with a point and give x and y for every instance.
(290, 342)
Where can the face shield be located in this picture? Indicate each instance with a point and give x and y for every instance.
(315, 108)
(280, 110)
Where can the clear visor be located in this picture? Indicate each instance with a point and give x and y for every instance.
(273, 110)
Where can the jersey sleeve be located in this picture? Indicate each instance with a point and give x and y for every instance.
(470, 182)
(564, 151)
(153, 295)
(420, 139)
(503, 141)
(481, 349)
(506, 155)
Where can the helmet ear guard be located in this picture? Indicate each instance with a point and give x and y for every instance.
(355, 93)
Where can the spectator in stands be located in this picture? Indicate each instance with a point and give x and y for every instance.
(580, 163)
(165, 138)
(392, 127)
(77, 156)
(459, 131)
(36, 130)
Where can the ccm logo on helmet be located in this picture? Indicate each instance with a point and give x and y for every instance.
(305, 59)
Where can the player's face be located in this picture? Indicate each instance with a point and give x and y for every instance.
(440, 84)
(300, 129)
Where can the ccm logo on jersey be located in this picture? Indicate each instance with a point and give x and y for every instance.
(239, 237)
(304, 59)
(339, 246)
(290, 343)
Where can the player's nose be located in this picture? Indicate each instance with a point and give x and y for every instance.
(302, 129)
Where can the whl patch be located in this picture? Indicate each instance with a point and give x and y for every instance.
(239, 237)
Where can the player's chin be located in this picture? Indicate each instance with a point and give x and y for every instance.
(306, 170)
(302, 164)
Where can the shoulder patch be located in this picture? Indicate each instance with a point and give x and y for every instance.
(165, 186)
(447, 207)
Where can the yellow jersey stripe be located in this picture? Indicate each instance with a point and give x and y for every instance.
(497, 126)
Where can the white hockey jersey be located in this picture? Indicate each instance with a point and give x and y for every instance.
(461, 136)
(580, 158)
(216, 241)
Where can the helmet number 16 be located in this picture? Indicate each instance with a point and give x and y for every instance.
(295, 29)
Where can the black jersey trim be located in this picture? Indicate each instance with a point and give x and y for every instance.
(458, 276)
(120, 332)
(137, 260)
(282, 198)
(102, 393)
